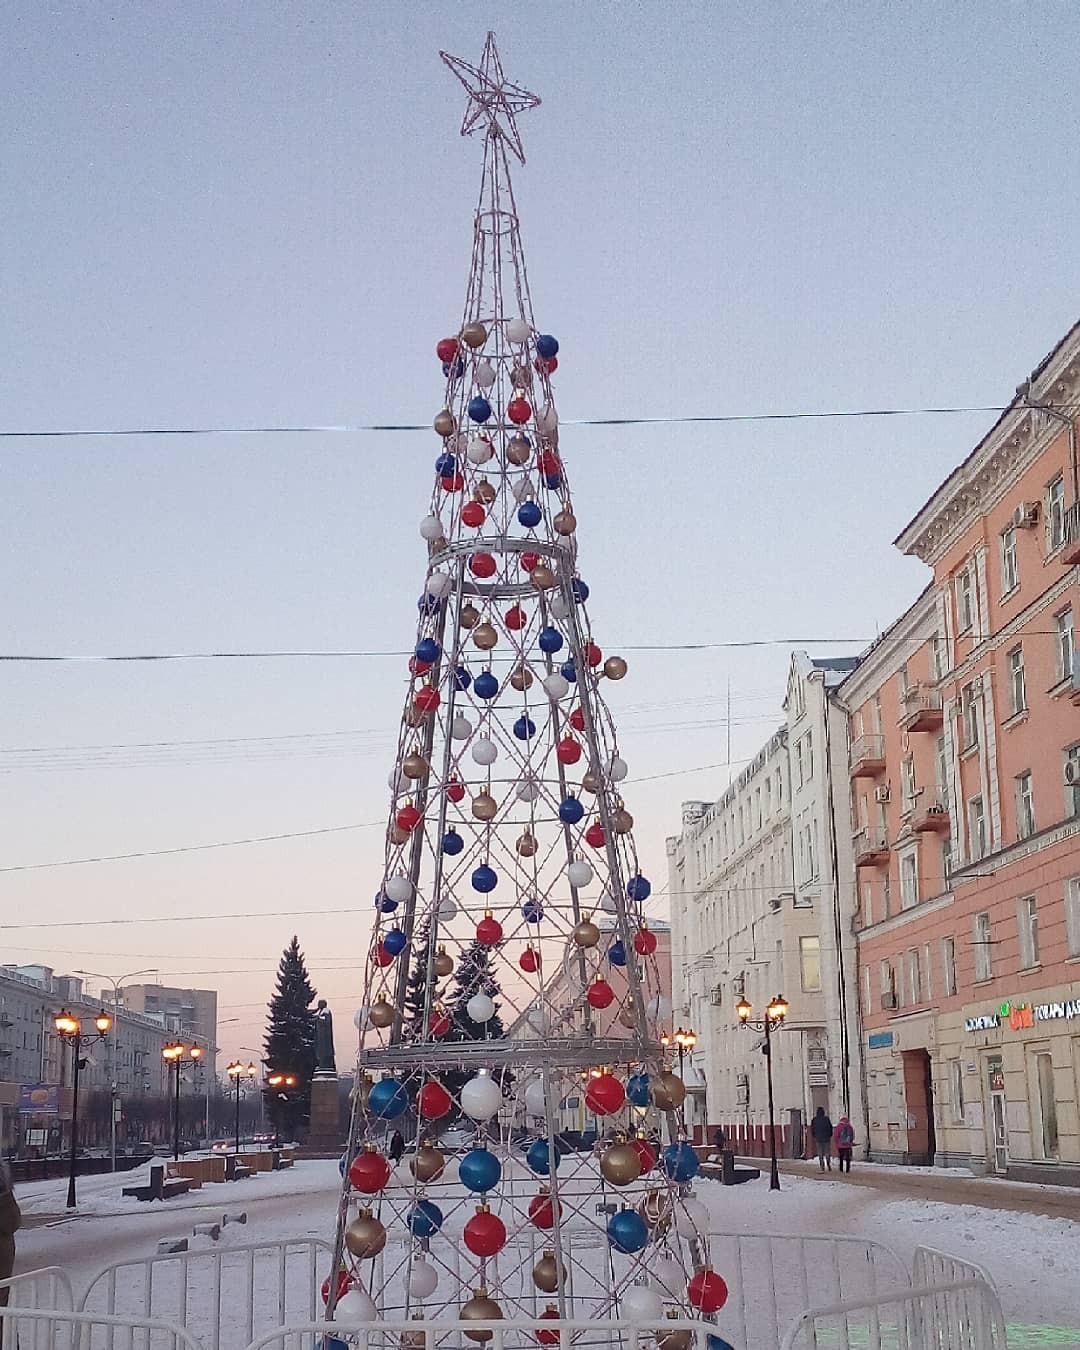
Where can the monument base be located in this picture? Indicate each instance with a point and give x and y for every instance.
(325, 1135)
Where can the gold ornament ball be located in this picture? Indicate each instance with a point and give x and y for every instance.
(521, 377)
(485, 492)
(656, 1209)
(445, 423)
(474, 334)
(586, 934)
(484, 636)
(414, 1340)
(444, 963)
(627, 1018)
(480, 1308)
(382, 1014)
(414, 765)
(622, 822)
(542, 577)
(668, 1092)
(365, 1236)
(546, 1273)
(469, 616)
(519, 451)
(522, 679)
(427, 1163)
(590, 782)
(675, 1340)
(614, 667)
(526, 845)
(484, 806)
(620, 1164)
(565, 522)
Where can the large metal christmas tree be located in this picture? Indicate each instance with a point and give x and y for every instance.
(511, 975)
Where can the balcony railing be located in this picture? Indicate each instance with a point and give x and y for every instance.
(867, 757)
(922, 710)
(871, 847)
(1070, 528)
(933, 818)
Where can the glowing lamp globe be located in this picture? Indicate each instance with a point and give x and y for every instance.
(571, 811)
(556, 686)
(473, 515)
(387, 1099)
(538, 1157)
(707, 1292)
(524, 728)
(395, 941)
(604, 1095)
(433, 1101)
(484, 1233)
(452, 843)
(489, 931)
(680, 1162)
(518, 411)
(484, 751)
(600, 995)
(691, 1219)
(529, 960)
(529, 515)
(595, 836)
(369, 1172)
(639, 1303)
(431, 528)
(479, 409)
(546, 346)
(517, 330)
(579, 873)
(486, 685)
(482, 565)
(627, 1231)
(481, 1097)
(515, 619)
(542, 1211)
(479, 1171)
(644, 942)
(423, 1278)
(355, 1305)
(568, 751)
(424, 1219)
(480, 1008)
(637, 1089)
(446, 349)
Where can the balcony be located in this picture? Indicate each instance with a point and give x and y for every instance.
(867, 758)
(1070, 551)
(922, 710)
(932, 819)
(871, 847)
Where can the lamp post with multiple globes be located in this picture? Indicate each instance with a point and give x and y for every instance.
(770, 1024)
(176, 1056)
(276, 1081)
(238, 1073)
(69, 1028)
(685, 1041)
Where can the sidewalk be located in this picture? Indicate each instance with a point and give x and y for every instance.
(945, 1187)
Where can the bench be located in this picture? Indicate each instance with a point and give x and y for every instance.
(159, 1187)
(282, 1160)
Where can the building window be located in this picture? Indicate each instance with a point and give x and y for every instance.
(902, 680)
(809, 739)
(1055, 514)
(956, 1090)
(810, 964)
(1063, 628)
(1017, 682)
(907, 782)
(927, 974)
(1027, 922)
(1025, 806)
(948, 965)
(969, 706)
(868, 904)
(909, 880)
(976, 828)
(811, 852)
(965, 601)
(981, 942)
(942, 773)
(946, 861)
(1010, 576)
(1072, 915)
(914, 976)
(937, 657)
(868, 992)
(1044, 1077)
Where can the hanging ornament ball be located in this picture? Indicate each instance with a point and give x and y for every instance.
(526, 845)
(542, 1211)
(515, 619)
(558, 606)
(529, 960)
(601, 994)
(414, 766)
(656, 1208)
(532, 911)
(586, 933)
(383, 958)
(484, 374)
(517, 330)
(485, 1233)
(620, 1164)
(666, 1274)
(387, 1098)
(645, 1152)
(355, 1305)
(528, 790)
(565, 522)
(639, 1303)
(617, 953)
(524, 728)
(548, 463)
(522, 679)
(568, 751)
(474, 334)
(479, 450)
(536, 1097)
(408, 817)
(579, 874)
(529, 515)
(542, 577)
(452, 843)
(444, 963)
(547, 1272)
(518, 410)
(484, 879)
(707, 1291)
(627, 1231)
(427, 699)
(549, 1335)
(382, 1015)
(550, 640)
(480, 1308)
(577, 719)
(454, 789)
(622, 822)
(595, 836)
(427, 1163)
(423, 1278)
(369, 1171)
(484, 751)
(538, 1157)
(485, 637)
(680, 1162)
(479, 408)
(644, 942)
(365, 1236)
(547, 346)
(480, 1008)
(439, 584)
(482, 565)
(547, 420)
(424, 1219)
(571, 811)
(418, 667)
(480, 1097)
(637, 1089)
(446, 349)
(592, 653)
(614, 667)
(529, 561)
(691, 1219)
(486, 685)
(395, 941)
(669, 1092)
(445, 424)
(446, 466)
(569, 670)
(639, 888)
(556, 686)
(439, 1024)
(604, 1095)
(519, 451)
(454, 483)
(480, 1170)
(488, 930)
(469, 616)
(433, 1101)
(431, 528)
(484, 806)
(396, 781)
(473, 515)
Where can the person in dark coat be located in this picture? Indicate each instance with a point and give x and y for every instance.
(397, 1146)
(821, 1131)
(845, 1142)
(719, 1140)
(10, 1222)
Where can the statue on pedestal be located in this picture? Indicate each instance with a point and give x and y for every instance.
(325, 1063)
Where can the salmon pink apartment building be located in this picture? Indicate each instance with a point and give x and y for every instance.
(964, 771)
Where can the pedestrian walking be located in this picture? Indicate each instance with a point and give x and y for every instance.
(719, 1140)
(821, 1131)
(397, 1146)
(844, 1138)
(10, 1222)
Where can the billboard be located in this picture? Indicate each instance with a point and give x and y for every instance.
(39, 1099)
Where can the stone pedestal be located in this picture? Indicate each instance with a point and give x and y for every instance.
(325, 1138)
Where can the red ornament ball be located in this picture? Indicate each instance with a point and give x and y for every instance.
(542, 1211)
(592, 654)
(518, 411)
(446, 349)
(600, 995)
(546, 1337)
(439, 1024)
(595, 836)
(489, 931)
(568, 750)
(548, 462)
(344, 1284)
(455, 790)
(418, 667)
(604, 1095)
(454, 483)
(516, 619)
(485, 1233)
(433, 1100)
(473, 515)
(645, 1152)
(369, 1172)
(644, 942)
(427, 700)
(529, 961)
(530, 561)
(482, 564)
(707, 1291)
(577, 719)
(383, 958)
(408, 817)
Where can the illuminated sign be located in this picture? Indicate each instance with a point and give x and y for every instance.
(986, 1023)
(1021, 1016)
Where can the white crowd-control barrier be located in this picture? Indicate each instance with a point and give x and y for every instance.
(441, 1334)
(962, 1315)
(47, 1289)
(66, 1330)
(931, 1266)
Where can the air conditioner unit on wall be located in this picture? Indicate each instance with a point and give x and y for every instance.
(1026, 516)
(1072, 773)
(881, 794)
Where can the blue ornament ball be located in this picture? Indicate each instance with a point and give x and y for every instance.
(387, 1099)
(553, 481)
(580, 590)
(455, 370)
(384, 904)
(424, 1219)
(539, 1157)
(529, 514)
(479, 408)
(485, 685)
(717, 1343)
(547, 346)
(427, 649)
(446, 466)
(550, 640)
(571, 811)
(395, 941)
(428, 604)
(627, 1231)
(617, 954)
(569, 671)
(452, 843)
(637, 1089)
(532, 911)
(524, 727)
(484, 879)
(680, 1162)
(462, 678)
(480, 1170)
(639, 888)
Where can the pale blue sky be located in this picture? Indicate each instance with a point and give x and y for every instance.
(260, 213)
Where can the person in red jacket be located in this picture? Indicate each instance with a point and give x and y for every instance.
(844, 1139)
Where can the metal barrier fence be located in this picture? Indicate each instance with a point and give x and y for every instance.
(931, 1266)
(233, 1292)
(423, 1334)
(66, 1330)
(962, 1315)
(47, 1289)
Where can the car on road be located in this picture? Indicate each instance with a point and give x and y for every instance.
(456, 1140)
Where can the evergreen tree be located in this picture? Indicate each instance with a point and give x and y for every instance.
(416, 986)
(474, 975)
(290, 1037)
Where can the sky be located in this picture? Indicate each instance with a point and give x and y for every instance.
(259, 214)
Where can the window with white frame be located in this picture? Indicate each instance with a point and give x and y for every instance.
(1071, 773)
(1017, 681)
(909, 879)
(1027, 923)
(799, 779)
(965, 600)
(1072, 915)
(1025, 805)
(809, 754)
(885, 978)
(969, 707)
(956, 1090)
(981, 942)
(810, 964)
(1055, 514)
(948, 966)
(937, 657)
(868, 993)
(941, 772)
(1010, 574)
(976, 829)
(927, 975)
(914, 977)
(1065, 644)
(907, 782)
(868, 904)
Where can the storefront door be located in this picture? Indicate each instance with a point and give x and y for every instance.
(998, 1120)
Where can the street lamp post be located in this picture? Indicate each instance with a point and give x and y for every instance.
(685, 1040)
(69, 1028)
(275, 1081)
(238, 1073)
(770, 1024)
(176, 1056)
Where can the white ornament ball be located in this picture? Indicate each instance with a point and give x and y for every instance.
(517, 330)
(537, 1018)
(461, 728)
(556, 686)
(431, 528)
(535, 1098)
(447, 908)
(691, 1218)
(423, 1279)
(528, 791)
(360, 1019)
(397, 781)
(547, 419)
(438, 584)
(639, 1303)
(579, 872)
(523, 489)
(480, 1008)
(398, 888)
(480, 1097)
(618, 769)
(480, 450)
(458, 444)
(484, 374)
(355, 1305)
(607, 903)
(559, 606)
(666, 1274)
(485, 751)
